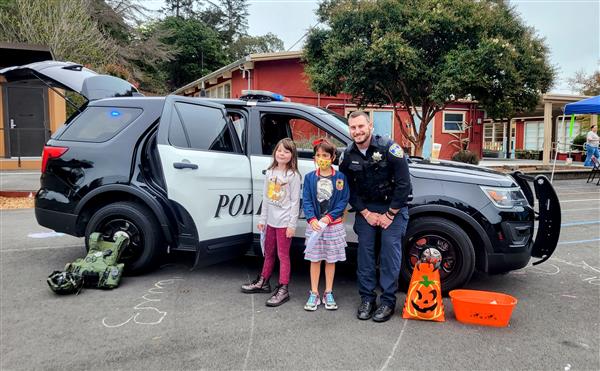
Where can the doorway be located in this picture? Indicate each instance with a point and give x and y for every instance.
(26, 121)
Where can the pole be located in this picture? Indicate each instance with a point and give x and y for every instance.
(556, 152)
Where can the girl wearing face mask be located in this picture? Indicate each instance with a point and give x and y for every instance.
(324, 200)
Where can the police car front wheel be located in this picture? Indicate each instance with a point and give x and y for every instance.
(450, 240)
(138, 224)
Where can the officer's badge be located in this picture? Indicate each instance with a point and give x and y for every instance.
(376, 157)
(339, 184)
(396, 150)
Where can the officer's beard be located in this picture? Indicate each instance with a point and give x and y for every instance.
(366, 140)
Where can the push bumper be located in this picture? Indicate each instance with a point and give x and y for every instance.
(549, 215)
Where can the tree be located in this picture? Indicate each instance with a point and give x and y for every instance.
(64, 26)
(255, 44)
(427, 54)
(137, 51)
(197, 49)
(586, 84)
(181, 8)
(230, 19)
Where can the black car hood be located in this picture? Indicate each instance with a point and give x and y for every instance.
(459, 172)
(72, 76)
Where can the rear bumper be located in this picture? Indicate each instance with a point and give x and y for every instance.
(55, 220)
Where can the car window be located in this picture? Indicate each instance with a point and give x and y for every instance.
(205, 127)
(303, 132)
(99, 124)
(239, 124)
(177, 135)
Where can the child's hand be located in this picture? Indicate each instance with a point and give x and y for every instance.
(289, 232)
(260, 227)
(315, 225)
(325, 220)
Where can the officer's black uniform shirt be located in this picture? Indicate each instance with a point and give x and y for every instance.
(379, 178)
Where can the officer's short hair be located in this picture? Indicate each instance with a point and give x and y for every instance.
(356, 114)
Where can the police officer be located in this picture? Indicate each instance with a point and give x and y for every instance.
(379, 181)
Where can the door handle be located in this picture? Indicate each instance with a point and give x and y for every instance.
(184, 165)
(12, 124)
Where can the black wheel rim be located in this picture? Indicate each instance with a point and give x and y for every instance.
(110, 229)
(446, 246)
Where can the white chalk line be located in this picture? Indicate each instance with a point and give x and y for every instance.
(389, 358)
(250, 341)
(583, 200)
(577, 193)
(574, 210)
(41, 248)
(158, 285)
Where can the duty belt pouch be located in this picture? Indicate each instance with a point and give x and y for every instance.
(111, 277)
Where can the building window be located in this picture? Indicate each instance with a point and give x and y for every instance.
(383, 121)
(493, 139)
(219, 91)
(453, 122)
(534, 135)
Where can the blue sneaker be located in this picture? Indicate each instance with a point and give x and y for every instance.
(329, 300)
(313, 301)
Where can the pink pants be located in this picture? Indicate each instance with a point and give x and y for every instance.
(276, 240)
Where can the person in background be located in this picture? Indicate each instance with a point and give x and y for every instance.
(591, 144)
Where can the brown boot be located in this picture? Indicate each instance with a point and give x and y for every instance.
(280, 296)
(260, 284)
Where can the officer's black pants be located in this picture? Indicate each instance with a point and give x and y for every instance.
(390, 257)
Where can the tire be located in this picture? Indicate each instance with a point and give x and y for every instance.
(458, 255)
(144, 249)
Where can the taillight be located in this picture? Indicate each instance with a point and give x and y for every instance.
(51, 152)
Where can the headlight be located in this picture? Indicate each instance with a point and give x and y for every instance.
(505, 198)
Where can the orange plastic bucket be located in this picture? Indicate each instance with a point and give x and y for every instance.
(482, 307)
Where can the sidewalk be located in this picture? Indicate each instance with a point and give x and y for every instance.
(26, 181)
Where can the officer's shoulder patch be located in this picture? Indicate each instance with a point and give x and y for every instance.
(396, 150)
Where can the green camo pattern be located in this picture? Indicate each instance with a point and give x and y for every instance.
(99, 268)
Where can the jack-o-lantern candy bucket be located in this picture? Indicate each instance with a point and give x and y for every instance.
(424, 295)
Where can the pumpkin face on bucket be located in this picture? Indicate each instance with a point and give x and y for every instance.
(424, 295)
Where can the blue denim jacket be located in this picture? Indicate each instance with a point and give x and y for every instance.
(337, 203)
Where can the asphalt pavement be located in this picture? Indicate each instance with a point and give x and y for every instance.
(178, 319)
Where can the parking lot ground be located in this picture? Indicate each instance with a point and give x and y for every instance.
(177, 318)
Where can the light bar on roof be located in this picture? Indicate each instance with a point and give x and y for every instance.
(262, 96)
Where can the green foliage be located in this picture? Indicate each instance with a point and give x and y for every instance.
(428, 53)
(181, 8)
(64, 26)
(586, 84)
(255, 44)
(466, 156)
(578, 142)
(197, 47)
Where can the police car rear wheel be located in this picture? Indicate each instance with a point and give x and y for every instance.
(445, 236)
(135, 221)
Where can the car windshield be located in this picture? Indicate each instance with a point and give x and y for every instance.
(338, 121)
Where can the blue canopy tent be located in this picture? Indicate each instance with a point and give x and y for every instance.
(586, 106)
(583, 107)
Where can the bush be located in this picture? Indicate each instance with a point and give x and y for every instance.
(466, 156)
(578, 142)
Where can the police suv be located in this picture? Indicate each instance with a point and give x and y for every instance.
(180, 173)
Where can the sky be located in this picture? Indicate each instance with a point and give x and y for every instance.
(571, 29)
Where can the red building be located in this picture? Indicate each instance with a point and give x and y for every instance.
(283, 73)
